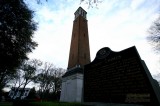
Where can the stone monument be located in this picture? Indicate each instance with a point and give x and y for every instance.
(119, 77)
(72, 80)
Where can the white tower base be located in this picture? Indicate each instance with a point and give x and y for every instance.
(72, 85)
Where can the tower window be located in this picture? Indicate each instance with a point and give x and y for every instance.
(84, 35)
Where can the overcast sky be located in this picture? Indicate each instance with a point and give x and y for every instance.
(117, 24)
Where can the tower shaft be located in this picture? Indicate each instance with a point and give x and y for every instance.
(79, 48)
(72, 80)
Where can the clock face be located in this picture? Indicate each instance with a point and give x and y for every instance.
(103, 53)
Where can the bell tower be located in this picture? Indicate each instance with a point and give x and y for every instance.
(72, 80)
(79, 48)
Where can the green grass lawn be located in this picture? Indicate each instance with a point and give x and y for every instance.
(41, 104)
(54, 104)
(5, 103)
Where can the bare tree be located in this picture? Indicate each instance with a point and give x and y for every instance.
(43, 78)
(58, 72)
(29, 71)
(25, 74)
(91, 3)
(49, 80)
(154, 35)
(16, 82)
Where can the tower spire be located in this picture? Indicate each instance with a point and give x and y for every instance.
(79, 48)
(80, 11)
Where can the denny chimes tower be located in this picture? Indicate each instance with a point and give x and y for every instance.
(79, 49)
(72, 80)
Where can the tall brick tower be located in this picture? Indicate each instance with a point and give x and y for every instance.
(79, 49)
(72, 80)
